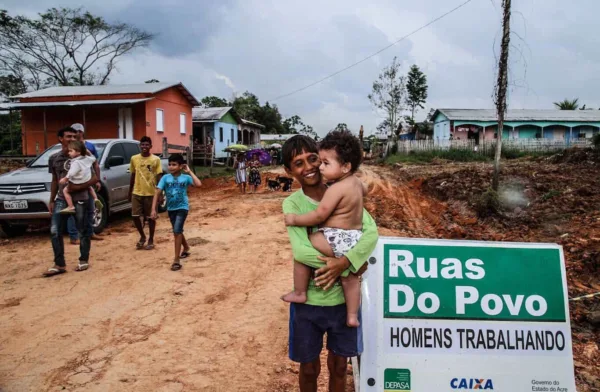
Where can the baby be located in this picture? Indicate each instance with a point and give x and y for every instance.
(80, 172)
(339, 216)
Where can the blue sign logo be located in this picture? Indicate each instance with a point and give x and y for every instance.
(471, 383)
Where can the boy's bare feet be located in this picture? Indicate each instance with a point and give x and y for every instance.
(352, 320)
(294, 297)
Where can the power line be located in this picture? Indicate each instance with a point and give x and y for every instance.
(374, 54)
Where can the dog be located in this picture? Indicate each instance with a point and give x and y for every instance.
(273, 185)
(286, 182)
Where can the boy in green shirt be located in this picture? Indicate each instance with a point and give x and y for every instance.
(324, 310)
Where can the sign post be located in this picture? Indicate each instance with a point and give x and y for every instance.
(443, 315)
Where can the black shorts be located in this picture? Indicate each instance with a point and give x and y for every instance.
(141, 205)
(308, 324)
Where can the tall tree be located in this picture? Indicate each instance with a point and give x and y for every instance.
(269, 116)
(11, 85)
(65, 47)
(10, 123)
(501, 88)
(416, 90)
(214, 102)
(247, 106)
(388, 94)
(295, 125)
(341, 127)
(568, 104)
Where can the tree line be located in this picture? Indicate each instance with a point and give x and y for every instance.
(249, 108)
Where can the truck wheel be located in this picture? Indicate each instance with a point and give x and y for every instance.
(11, 231)
(100, 217)
(162, 206)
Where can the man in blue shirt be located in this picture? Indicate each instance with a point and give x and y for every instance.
(71, 227)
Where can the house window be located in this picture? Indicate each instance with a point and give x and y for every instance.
(182, 123)
(160, 122)
(232, 139)
(221, 134)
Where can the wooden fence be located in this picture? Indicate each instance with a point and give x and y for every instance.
(184, 150)
(488, 146)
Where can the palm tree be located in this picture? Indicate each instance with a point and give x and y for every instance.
(568, 104)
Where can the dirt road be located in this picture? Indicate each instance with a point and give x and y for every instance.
(130, 324)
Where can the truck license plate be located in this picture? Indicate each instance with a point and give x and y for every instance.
(15, 205)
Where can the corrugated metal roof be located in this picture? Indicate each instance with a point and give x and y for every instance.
(248, 122)
(20, 105)
(520, 115)
(209, 114)
(270, 137)
(65, 91)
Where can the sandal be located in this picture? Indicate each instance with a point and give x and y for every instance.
(98, 204)
(82, 266)
(53, 271)
(176, 266)
(140, 245)
(149, 247)
(185, 254)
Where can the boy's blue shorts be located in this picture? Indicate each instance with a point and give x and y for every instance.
(308, 324)
(177, 218)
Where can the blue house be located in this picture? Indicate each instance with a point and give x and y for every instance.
(481, 124)
(223, 127)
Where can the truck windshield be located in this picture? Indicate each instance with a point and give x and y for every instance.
(42, 160)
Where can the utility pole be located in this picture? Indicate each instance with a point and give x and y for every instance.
(501, 87)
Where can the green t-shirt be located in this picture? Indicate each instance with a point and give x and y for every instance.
(303, 251)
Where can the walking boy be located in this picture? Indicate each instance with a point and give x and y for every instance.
(175, 186)
(145, 171)
(324, 310)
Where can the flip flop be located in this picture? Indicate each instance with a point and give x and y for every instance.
(149, 247)
(98, 204)
(176, 266)
(82, 267)
(185, 255)
(140, 245)
(54, 271)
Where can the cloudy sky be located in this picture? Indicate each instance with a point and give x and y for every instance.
(273, 47)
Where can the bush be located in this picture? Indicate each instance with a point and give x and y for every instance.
(487, 204)
(596, 141)
(550, 195)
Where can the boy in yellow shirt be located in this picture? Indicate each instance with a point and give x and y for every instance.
(146, 170)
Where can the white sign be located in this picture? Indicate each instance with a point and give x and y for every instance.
(441, 315)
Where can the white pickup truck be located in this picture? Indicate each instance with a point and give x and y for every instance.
(25, 193)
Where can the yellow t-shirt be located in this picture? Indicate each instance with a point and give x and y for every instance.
(146, 169)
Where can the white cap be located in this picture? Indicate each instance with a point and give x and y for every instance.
(78, 127)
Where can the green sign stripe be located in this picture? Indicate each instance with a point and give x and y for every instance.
(473, 319)
(512, 282)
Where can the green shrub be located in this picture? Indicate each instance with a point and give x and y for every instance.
(550, 195)
(487, 204)
(596, 141)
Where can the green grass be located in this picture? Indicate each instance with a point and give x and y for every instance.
(428, 156)
(217, 171)
(458, 155)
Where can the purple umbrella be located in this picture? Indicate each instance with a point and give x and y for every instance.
(263, 157)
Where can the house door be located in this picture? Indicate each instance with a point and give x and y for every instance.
(125, 124)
